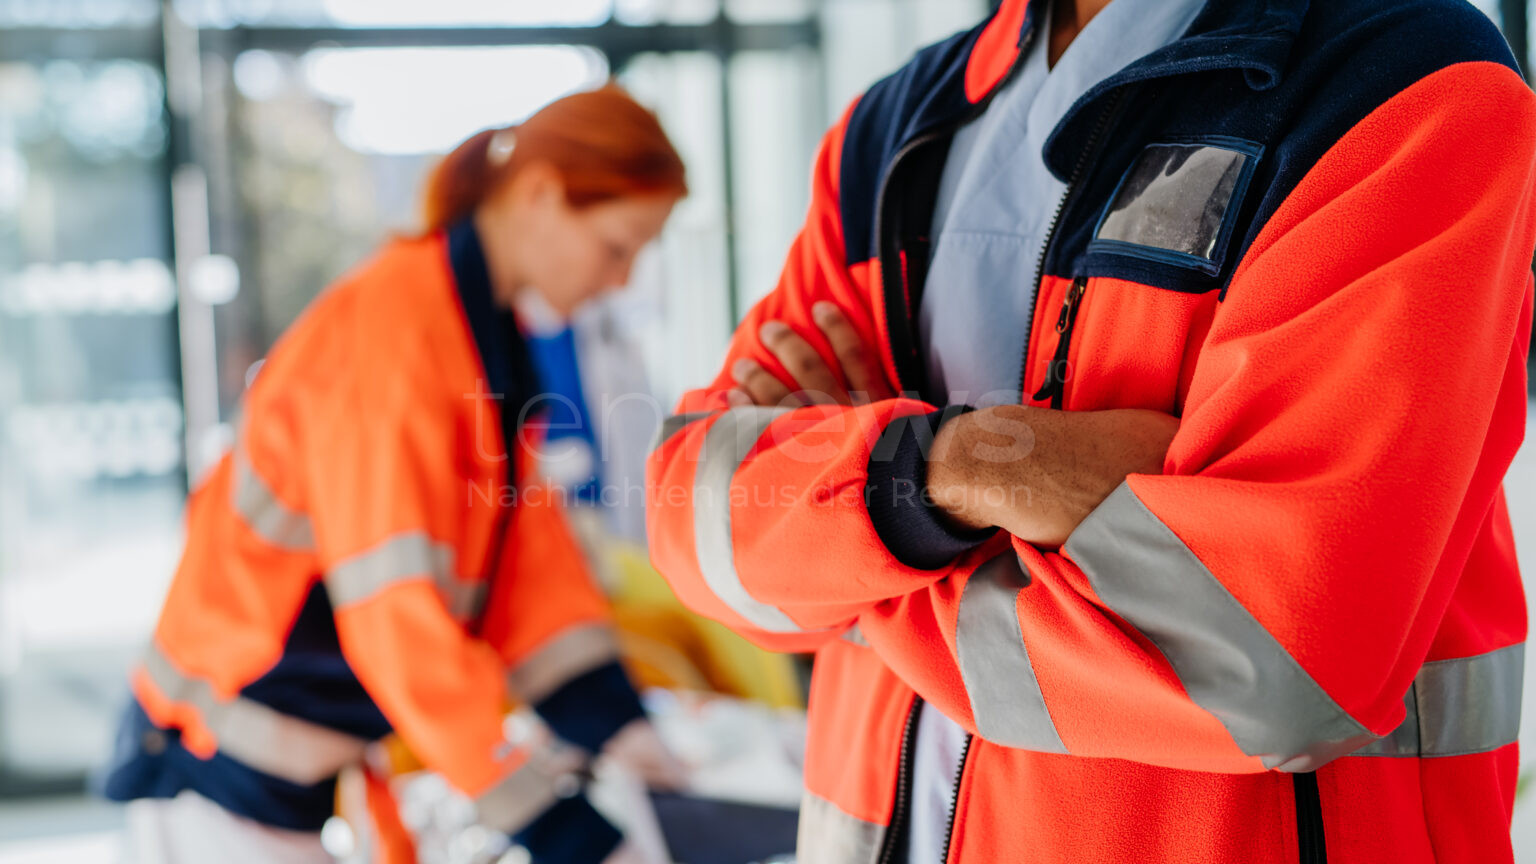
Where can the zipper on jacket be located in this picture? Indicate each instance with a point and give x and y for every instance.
(895, 833)
(893, 284)
(1100, 126)
(954, 798)
(1309, 820)
(1055, 386)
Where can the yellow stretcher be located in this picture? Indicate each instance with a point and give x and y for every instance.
(665, 645)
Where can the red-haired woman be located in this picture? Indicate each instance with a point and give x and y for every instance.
(375, 555)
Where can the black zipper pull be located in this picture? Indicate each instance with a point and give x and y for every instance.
(1055, 386)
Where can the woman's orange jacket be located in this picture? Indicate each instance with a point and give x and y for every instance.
(365, 561)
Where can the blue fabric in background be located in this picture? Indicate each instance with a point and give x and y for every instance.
(564, 404)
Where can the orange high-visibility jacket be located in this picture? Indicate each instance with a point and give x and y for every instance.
(367, 559)
(1304, 639)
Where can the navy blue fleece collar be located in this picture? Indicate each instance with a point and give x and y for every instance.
(503, 351)
(1253, 36)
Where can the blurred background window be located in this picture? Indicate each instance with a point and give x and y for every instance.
(91, 465)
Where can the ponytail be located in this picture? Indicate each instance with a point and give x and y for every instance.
(602, 142)
(457, 183)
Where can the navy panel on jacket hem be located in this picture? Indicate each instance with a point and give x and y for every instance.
(590, 708)
(150, 762)
(916, 532)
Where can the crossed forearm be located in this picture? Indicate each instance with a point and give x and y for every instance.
(1036, 473)
(1033, 472)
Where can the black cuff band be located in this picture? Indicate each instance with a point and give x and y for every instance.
(916, 532)
(588, 709)
(571, 832)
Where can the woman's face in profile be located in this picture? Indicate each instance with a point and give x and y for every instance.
(573, 254)
(592, 250)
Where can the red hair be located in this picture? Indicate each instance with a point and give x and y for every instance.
(603, 143)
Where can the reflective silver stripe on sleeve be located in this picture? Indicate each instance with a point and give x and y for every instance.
(578, 650)
(830, 836)
(516, 801)
(727, 443)
(1228, 663)
(675, 424)
(1459, 706)
(408, 557)
(994, 662)
(1402, 741)
(260, 508)
(256, 735)
(1470, 704)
